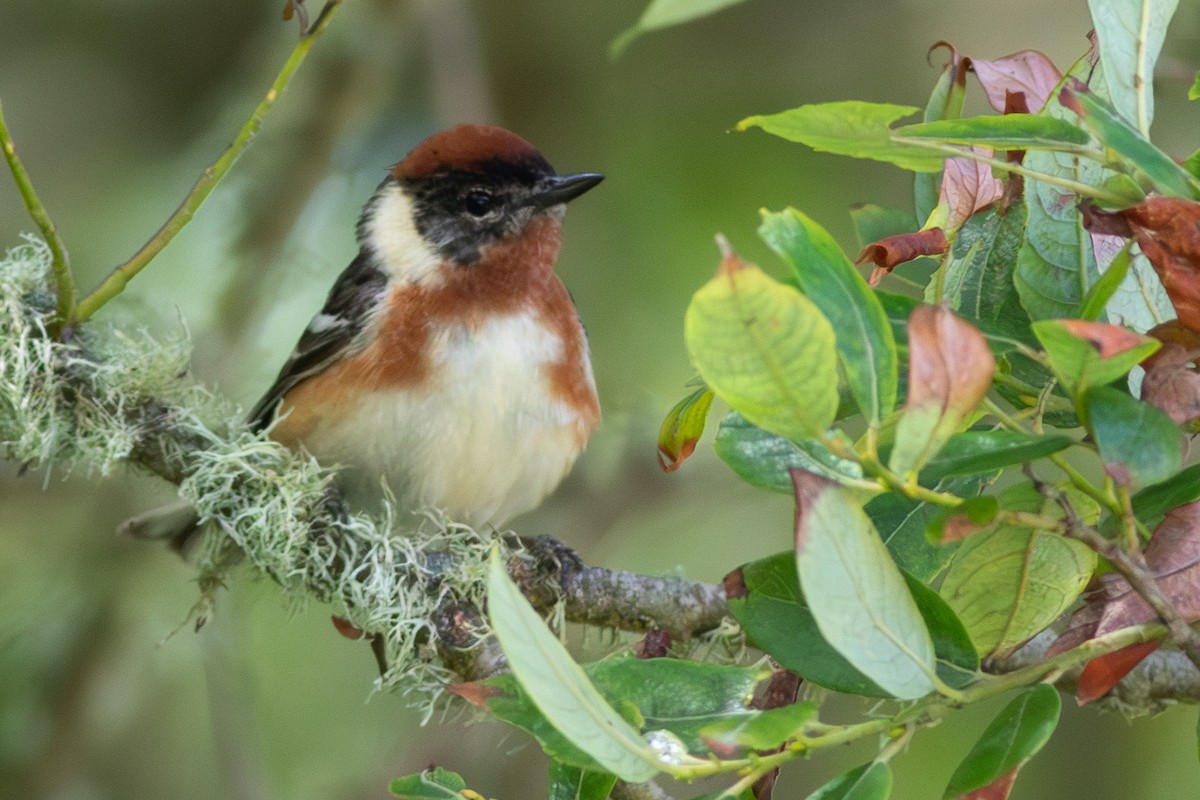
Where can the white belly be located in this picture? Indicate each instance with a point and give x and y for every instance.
(484, 442)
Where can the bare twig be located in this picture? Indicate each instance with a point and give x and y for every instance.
(116, 281)
(61, 263)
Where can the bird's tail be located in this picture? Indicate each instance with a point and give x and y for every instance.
(176, 523)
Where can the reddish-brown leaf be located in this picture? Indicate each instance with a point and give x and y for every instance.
(655, 644)
(1172, 332)
(1173, 556)
(1028, 72)
(949, 362)
(347, 628)
(474, 692)
(1168, 232)
(968, 186)
(893, 250)
(1172, 385)
(1109, 340)
(1103, 673)
(998, 789)
(735, 585)
(782, 690)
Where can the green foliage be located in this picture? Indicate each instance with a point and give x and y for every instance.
(894, 487)
(1014, 736)
(872, 781)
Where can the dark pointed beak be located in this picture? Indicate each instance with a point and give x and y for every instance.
(560, 188)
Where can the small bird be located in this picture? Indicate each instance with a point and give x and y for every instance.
(449, 360)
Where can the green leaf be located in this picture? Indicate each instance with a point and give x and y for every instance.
(902, 522)
(772, 611)
(682, 428)
(1096, 299)
(1013, 737)
(1077, 362)
(1008, 584)
(1139, 444)
(975, 452)
(1130, 34)
(976, 278)
(864, 339)
(573, 783)
(1134, 149)
(857, 596)
(679, 696)
(945, 102)
(432, 784)
(1150, 505)
(1194, 91)
(664, 13)
(849, 128)
(957, 659)
(765, 730)
(763, 459)
(871, 781)
(765, 349)
(1056, 264)
(558, 686)
(661, 694)
(1006, 132)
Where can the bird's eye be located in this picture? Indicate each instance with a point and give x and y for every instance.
(478, 202)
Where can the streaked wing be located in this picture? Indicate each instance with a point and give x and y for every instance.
(332, 334)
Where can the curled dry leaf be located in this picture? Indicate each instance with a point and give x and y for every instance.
(1028, 73)
(1173, 556)
(891, 251)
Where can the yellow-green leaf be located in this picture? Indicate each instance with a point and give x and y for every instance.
(765, 349)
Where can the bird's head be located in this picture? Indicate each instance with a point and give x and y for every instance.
(459, 192)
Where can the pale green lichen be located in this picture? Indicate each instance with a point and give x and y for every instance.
(83, 405)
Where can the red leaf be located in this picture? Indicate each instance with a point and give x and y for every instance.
(1109, 340)
(1103, 673)
(347, 628)
(474, 692)
(892, 250)
(1028, 72)
(968, 186)
(949, 362)
(998, 789)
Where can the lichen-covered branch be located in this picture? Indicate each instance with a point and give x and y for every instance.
(414, 583)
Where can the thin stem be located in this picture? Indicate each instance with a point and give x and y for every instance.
(64, 281)
(116, 281)
(1081, 189)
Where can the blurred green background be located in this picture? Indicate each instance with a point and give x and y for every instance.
(117, 106)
